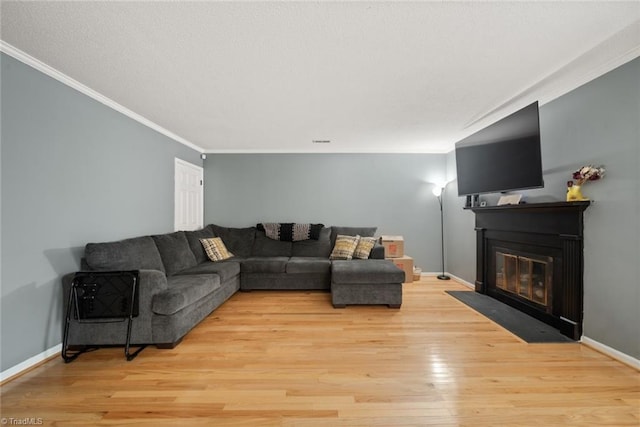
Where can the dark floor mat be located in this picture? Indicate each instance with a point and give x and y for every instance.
(526, 327)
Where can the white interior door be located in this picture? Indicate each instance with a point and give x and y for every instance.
(189, 194)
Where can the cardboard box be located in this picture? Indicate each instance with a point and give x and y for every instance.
(393, 246)
(406, 264)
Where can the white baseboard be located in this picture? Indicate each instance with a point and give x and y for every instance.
(611, 352)
(457, 279)
(29, 363)
(462, 281)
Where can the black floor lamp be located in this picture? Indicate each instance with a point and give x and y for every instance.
(438, 191)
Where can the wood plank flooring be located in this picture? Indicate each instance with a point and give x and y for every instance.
(269, 358)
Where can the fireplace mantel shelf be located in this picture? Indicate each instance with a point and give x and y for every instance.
(580, 206)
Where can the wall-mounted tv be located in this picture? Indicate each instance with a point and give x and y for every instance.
(502, 157)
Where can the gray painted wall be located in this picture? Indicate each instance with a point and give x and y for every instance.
(460, 237)
(597, 123)
(390, 191)
(73, 171)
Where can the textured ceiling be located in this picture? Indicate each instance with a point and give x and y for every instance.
(369, 76)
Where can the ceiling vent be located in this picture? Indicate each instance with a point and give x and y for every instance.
(321, 141)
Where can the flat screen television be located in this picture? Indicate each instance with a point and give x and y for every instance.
(502, 157)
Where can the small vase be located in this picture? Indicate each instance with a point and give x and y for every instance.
(574, 194)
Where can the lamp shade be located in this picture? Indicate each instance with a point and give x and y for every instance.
(437, 191)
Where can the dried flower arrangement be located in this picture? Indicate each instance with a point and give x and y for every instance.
(588, 173)
(582, 175)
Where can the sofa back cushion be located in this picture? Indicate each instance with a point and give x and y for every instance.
(239, 241)
(266, 247)
(314, 248)
(138, 253)
(352, 231)
(174, 251)
(193, 237)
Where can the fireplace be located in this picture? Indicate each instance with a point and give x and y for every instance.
(530, 257)
(526, 276)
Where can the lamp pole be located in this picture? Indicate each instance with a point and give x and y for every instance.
(442, 276)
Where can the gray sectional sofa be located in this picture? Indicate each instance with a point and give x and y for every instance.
(179, 286)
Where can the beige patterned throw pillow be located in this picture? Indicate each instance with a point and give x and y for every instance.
(215, 249)
(344, 247)
(363, 250)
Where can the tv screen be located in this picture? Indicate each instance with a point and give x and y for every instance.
(502, 157)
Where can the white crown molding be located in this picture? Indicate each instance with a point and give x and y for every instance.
(300, 151)
(617, 50)
(63, 78)
(622, 47)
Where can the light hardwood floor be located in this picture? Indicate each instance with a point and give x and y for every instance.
(290, 359)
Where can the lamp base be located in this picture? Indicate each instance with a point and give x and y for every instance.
(443, 277)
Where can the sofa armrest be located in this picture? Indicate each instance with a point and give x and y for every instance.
(377, 252)
(151, 282)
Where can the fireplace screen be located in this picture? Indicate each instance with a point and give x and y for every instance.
(528, 276)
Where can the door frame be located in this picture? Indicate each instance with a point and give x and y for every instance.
(179, 162)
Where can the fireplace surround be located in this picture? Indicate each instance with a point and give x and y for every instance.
(530, 256)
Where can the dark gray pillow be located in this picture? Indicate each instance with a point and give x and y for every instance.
(193, 237)
(351, 231)
(138, 253)
(239, 241)
(175, 252)
(314, 248)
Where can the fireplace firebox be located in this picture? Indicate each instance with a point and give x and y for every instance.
(530, 257)
(525, 276)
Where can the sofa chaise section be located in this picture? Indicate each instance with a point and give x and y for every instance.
(366, 282)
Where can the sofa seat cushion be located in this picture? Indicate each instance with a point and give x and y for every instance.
(302, 265)
(366, 271)
(254, 265)
(174, 251)
(225, 269)
(183, 291)
(138, 253)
